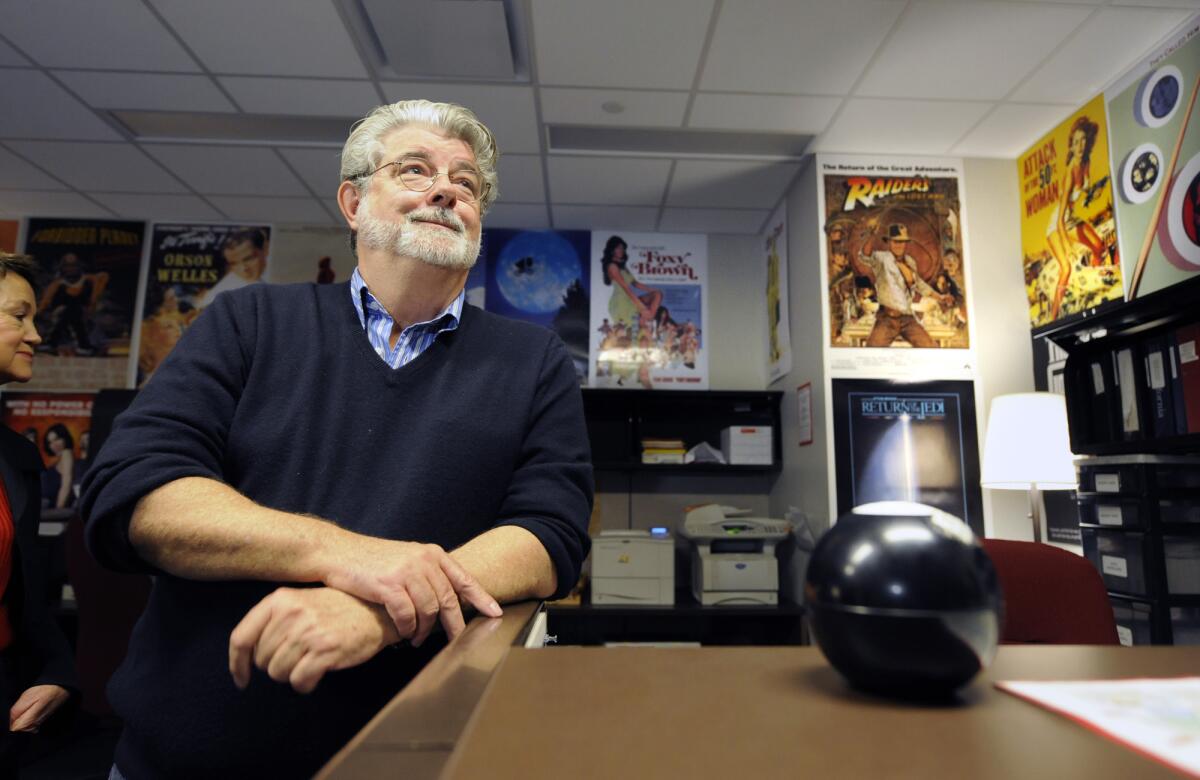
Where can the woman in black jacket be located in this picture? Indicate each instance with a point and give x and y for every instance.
(37, 673)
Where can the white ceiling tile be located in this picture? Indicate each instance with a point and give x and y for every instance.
(813, 47)
(1010, 129)
(764, 113)
(303, 211)
(612, 217)
(713, 220)
(1108, 44)
(521, 179)
(228, 170)
(9, 56)
(507, 111)
(1160, 3)
(302, 97)
(730, 184)
(608, 180)
(102, 167)
(26, 203)
(900, 126)
(319, 168)
(146, 91)
(527, 216)
(265, 37)
(118, 34)
(927, 54)
(638, 109)
(177, 208)
(46, 110)
(619, 43)
(17, 174)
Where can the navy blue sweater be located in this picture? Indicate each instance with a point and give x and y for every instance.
(275, 391)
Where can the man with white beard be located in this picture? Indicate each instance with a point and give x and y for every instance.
(320, 472)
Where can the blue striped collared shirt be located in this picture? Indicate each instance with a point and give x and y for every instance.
(414, 339)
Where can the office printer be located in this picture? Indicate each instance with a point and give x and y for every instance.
(633, 567)
(733, 555)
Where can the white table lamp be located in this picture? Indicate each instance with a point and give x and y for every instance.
(1028, 448)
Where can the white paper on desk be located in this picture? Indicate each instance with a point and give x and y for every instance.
(1157, 717)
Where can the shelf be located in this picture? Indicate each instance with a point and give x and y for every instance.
(684, 468)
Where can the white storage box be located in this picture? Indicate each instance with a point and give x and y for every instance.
(747, 445)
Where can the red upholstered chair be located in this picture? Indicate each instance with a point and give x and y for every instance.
(1051, 596)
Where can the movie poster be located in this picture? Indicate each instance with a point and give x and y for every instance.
(310, 254)
(893, 262)
(907, 441)
(779, 329)
(1156, 165)
(190, 265)
(1068, 234)
(541, 276)
(88, 279)
(649, 310)
(9, 228)
(58, 423)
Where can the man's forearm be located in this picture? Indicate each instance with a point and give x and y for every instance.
(510, 563)
(205, 530)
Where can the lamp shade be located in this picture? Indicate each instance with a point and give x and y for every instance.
(1027, 444)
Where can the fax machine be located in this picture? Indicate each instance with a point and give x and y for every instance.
(733, 555)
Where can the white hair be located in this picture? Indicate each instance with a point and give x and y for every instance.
(364, 150)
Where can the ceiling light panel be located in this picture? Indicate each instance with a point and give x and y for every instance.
(117, 34)
(953, 50)
(442, 38)
(17, 174)
(46, 110)
(805, 115)
(625, 108)
(1107, 45)
(91, 166)
(602, 218)
(619, 43)
(676, 220)
(1011, 129)
(729, 184)
(900, 126)
(522, 216)
(265, 37)
(228, 170)
(158, 207)
(146, 91)
(521, 178)
(796, 47)
(507, 111)
(302, 97)
(286, 210)
(22, 203)
(608, 180)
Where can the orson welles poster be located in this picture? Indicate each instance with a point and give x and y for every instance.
(893, 264)
(190, 265)
(907, 441)
(87, 280)
(649, 310)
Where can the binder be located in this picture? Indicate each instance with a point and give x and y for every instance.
(1187, 339)
(1156, 380)
(1127, 386)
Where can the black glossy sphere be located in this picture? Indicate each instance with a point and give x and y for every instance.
(903, 603)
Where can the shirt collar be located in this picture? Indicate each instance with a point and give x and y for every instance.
(361, 296)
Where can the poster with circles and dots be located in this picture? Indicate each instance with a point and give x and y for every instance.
(1154, 132)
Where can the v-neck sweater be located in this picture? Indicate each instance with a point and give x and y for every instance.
(276, 391)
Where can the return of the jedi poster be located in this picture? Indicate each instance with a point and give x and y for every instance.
(907, 441)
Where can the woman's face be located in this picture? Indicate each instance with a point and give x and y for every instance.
(619, 252)
(18, 336)
(1078, 143)
(55, 442)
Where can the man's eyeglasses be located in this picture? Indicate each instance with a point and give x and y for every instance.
(418, 175)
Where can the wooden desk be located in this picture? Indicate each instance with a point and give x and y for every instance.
(736, 712)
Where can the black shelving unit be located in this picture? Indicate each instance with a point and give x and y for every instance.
(618, 420)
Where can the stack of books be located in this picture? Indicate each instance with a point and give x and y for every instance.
(663, 450)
